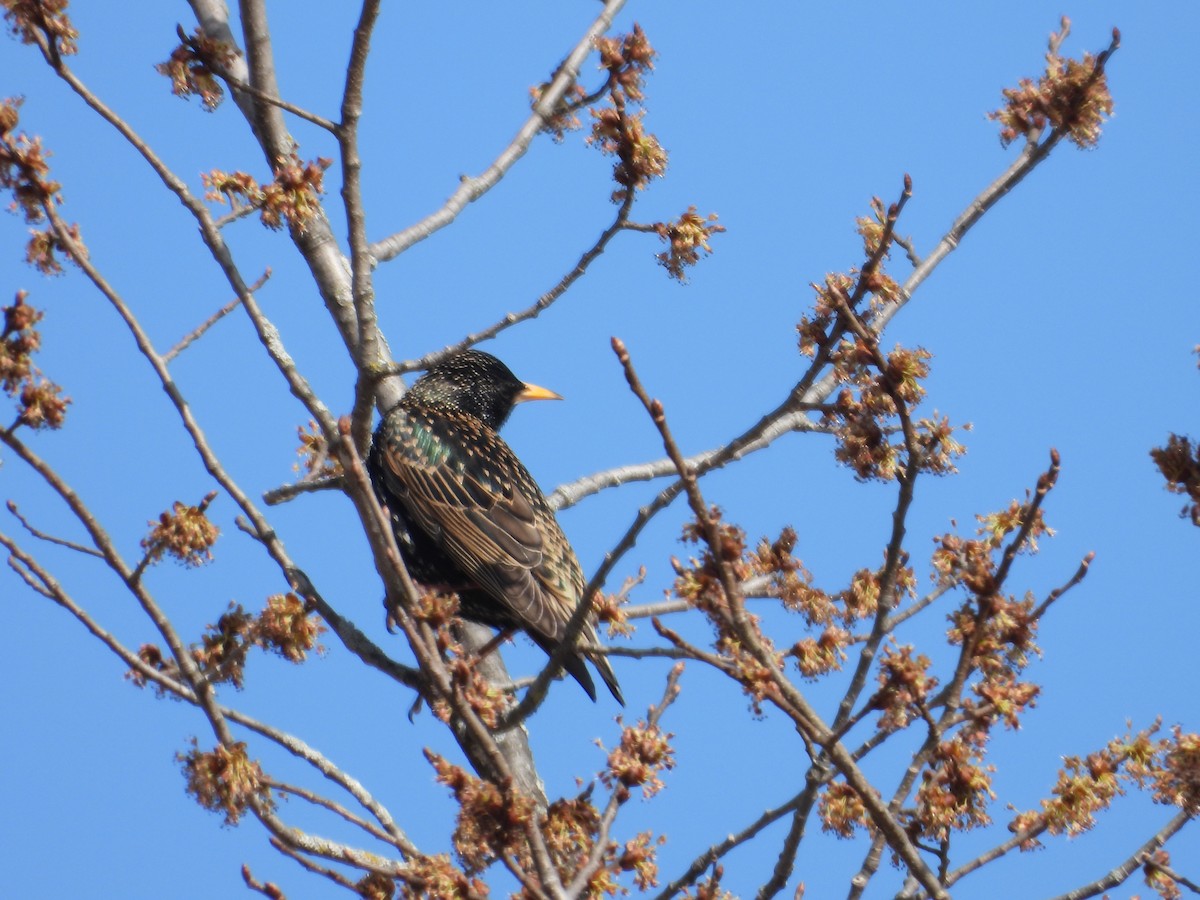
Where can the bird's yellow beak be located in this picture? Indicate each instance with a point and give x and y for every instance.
(533, 392)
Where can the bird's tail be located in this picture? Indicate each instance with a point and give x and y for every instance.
(575, 666)
(610, 677)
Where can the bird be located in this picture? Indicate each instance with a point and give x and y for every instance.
(467, 514)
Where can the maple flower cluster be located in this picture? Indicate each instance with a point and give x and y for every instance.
(287, 627)
(291, 198)
(1179, 463)
(42, 21)
(1072, 96)
(25, 172)
(184, 532)
(40, 402)
(620, 132)
(495, 822)
(225, 780)
(878, 390)
(193, 65)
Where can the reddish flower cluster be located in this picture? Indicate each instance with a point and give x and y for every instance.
(629, 59)
(644, 752)
(287, 627)
(817, 655)
(291, 198)
(488, 701)
(225, 780)
(494, 822)
(193, 65)
(184, 533)
(709, 888)
(863, 415)
(615, 132)
(955, 788)
(904, 687)
(315, 458)
(640, 156)
(375, 886)
(491, 821)
(700, 584)
(688, 236)
(34, 20)
(841, 810)
(1072, 96)
(1086, 786)
(435, 878)
(610, 608)
(25, 172)
(1178, 781)
(221, 655)
(41, 404)
(1179, 463)
(564, 118)
(1157, 879)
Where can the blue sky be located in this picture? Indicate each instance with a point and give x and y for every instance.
(1065, 320)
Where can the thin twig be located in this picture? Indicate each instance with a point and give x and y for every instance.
(237, 84)
(286, 492)
(212, 320)
(325, 803)
(270, 889)
(720, 849)
(1075, 579)
(308, 865)
(471, 189)
(49, 538)
(534, 310)
(781, 422)
(909, 251)
(1120, 873)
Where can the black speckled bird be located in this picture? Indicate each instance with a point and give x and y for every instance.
(468, 515)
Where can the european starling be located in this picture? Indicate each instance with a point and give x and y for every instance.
(467, 514)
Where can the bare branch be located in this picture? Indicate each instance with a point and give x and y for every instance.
(780, 422)
(1120, 873)
(286, 492)
(801, 801)
(367, 345)
(309, 866)
(325, 803)
(212, 320)
(471, 189)
(49, 538)
(531, 312)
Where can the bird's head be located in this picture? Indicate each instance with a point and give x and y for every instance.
(477, 384)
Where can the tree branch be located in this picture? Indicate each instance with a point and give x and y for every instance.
(471, 189)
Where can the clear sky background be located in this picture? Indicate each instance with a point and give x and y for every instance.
(1066, 319)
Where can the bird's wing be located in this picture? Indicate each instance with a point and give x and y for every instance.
(483, 508)
(474, 506)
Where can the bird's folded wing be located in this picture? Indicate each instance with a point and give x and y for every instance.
(490, 533)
